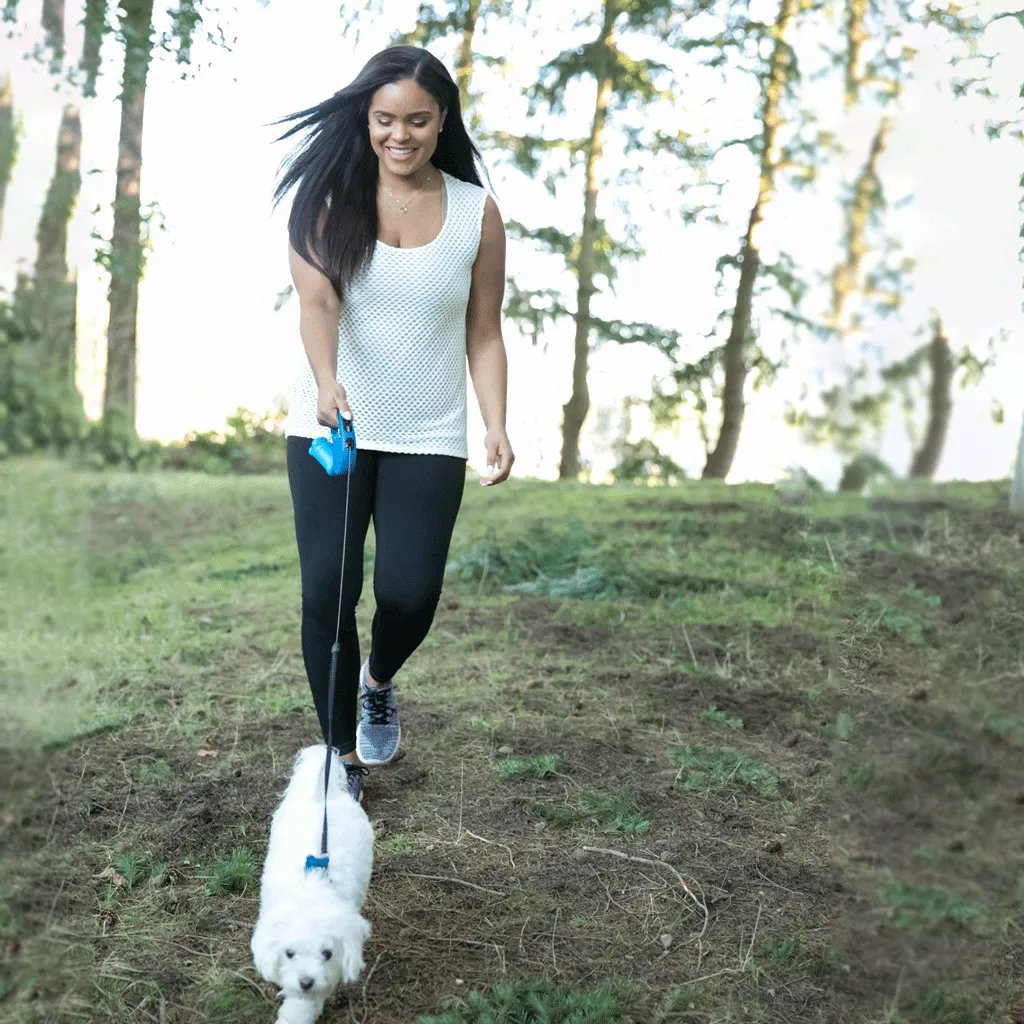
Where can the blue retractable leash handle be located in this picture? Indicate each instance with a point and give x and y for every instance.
(338, 457)
(338, 453)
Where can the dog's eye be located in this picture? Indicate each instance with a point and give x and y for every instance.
(328, 954)
(289, 953)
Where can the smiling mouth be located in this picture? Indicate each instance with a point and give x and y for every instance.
(399, 151)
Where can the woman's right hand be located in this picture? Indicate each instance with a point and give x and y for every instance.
(332, 400)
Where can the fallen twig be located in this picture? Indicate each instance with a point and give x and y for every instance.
(366, 985)
(493, 843)
(456, 881)
(661, 864)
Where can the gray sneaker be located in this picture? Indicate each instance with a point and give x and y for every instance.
(354, 775)
(378, 733)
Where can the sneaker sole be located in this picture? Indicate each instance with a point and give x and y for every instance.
(371, 760)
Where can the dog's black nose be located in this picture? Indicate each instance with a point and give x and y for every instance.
(305, 984)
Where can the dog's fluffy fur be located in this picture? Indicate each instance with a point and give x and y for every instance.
(310, 931)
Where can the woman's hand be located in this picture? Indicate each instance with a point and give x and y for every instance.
(332, 400)
(499, 457)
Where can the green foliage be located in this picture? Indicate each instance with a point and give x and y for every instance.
(644, 462)
(716, 717)
(905, 619)
(131, 867)
(227, 996)
(935, 1007)
(156, 774)
(785, 951)
(38, 412)
(618, 813)
(537, 766)
(928, 906)
(554, 560)
(859, 775)
(556, 815)
(722, 766)
(233, 873)
(531, 1003)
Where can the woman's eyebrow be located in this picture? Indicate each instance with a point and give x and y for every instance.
(415, 113)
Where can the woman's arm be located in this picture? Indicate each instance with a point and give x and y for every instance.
(318, 327)
(485, 347)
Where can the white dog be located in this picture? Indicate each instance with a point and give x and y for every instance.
(309, 936)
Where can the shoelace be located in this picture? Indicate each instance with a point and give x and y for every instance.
(375, 700)
(356, 769)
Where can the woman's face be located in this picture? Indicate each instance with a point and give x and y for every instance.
(404, 124)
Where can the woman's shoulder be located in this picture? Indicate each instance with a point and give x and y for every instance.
(469, 189)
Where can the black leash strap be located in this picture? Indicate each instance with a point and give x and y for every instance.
(349, 447)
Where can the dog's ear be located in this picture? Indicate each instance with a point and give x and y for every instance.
(349, 934)
(266, 950)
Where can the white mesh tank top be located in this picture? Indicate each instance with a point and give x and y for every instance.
(402, 340)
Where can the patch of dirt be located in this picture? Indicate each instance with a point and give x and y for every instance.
(962, 589)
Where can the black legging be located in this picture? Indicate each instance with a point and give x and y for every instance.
(414, 501)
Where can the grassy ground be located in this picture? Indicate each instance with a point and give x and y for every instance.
(714, 760)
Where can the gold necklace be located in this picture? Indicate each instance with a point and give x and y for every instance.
(404, 207)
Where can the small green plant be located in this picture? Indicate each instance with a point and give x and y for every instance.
(8, 928)
(228, 997)
(936, 1007)
(156, 774)
(932, 853)
(1009, 728)
(859, 775)
(131, 867)
(722, 766)
(917, 594)
(927, 906)
(556, 815)
(893, 619)
(845, 726)
(618, 813)
(529, 1002)
(232, 873)
(256, 570)
(537, 766)
(716, 717)
(786, 950)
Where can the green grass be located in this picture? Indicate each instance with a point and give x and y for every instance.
(928, 906)
(131, 867)
(537, 766)
(702, 767)
(233, 873)
(716, 717)
(531, 1003)
(618, 813)
(157, 615)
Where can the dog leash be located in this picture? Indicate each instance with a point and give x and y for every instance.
(338, 457)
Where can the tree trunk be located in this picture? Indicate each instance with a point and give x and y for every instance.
(856, 13)
(464, 65)
(867, 195)
(8, 142)
(940, 406)
(735, 359)
(574, 412)
(53, 30)
(1017, 488)
(56, 289)
(126, 245)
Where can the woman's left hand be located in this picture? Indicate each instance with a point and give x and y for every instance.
(499, 457)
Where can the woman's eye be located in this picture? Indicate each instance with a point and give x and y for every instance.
(327, 954)
(289, 953)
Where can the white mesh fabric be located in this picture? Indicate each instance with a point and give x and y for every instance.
(402, 341)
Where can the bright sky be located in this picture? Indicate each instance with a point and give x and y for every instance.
(210, 340)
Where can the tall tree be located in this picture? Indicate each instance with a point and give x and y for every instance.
(778, 75)
(55, 288)
(8, 142)
(940, 404)
(622, 85)
(126, 248)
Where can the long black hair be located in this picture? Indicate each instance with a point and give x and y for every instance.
(336, 163)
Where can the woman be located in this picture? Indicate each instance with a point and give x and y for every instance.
(398, 257)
